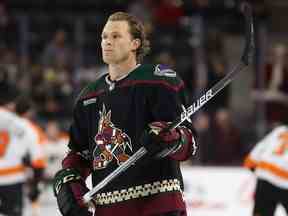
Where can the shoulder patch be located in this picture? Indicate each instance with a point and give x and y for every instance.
(162, 70)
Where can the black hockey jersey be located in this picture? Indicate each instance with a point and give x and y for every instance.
(109, 118)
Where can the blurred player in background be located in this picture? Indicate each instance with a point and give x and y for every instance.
(18, 138)
(34, 169)
(269, 160)
(55, 148)
(115, 116)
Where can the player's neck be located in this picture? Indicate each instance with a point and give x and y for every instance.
(116, 71)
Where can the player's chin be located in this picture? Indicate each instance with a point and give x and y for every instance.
(108, 59)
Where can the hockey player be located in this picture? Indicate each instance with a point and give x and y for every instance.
(115, 116)
(55, 148)
(35, 169)
(17, 138)
(269, 160)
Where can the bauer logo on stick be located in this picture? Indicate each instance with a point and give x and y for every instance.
(197, 105)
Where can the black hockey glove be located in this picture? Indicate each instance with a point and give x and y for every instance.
(33, 192)
(34, 184)
(157, 141)
(69, 188)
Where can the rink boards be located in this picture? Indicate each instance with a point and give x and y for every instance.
(209, 191)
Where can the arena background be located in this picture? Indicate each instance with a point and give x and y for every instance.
(201, 39)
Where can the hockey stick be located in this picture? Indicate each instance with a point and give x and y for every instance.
(246, 59)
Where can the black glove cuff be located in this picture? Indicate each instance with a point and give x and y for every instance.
(64, 176)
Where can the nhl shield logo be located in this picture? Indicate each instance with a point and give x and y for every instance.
(111, 142)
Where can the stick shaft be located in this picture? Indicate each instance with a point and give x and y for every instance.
(128, 163)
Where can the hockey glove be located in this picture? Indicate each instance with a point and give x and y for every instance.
(34, 184)
(161, 143)
(33, 192)
(69, 188)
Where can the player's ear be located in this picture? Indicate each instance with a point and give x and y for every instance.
(136, 43)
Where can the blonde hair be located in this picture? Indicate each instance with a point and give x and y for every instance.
(136, 30)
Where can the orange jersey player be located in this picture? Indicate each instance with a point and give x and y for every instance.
(269, 160)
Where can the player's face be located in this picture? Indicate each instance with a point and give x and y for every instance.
(117, 43)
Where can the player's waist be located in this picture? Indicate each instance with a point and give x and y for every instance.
(272, 178)
(139, 191)
(9, 170)
(274, 169)
(12, 175)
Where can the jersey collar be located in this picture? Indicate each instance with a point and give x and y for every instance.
(112, 83)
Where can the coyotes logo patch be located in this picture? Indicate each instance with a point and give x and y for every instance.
(111, 142)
